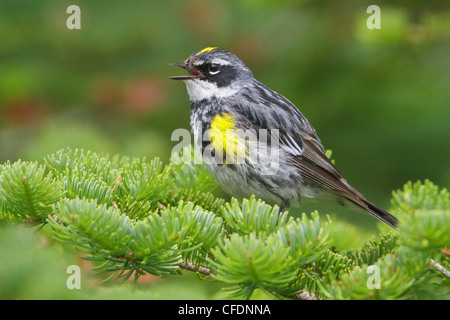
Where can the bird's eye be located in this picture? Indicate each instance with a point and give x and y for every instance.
(213, 68)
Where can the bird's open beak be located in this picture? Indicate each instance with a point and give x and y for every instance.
(193, 72)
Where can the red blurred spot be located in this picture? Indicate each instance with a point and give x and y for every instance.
(199, 18)
(23, 111)
(105, 93)
(143, 95)
(249, 47)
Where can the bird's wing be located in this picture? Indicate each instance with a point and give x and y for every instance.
(298, 139)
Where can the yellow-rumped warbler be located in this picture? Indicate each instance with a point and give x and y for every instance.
(227, 102)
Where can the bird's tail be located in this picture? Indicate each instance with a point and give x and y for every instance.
(357, 198)
(381, 214)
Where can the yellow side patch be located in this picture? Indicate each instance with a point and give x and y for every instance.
(222, 122)
(207, 49)
(226, 140)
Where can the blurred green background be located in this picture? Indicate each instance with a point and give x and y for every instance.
(379, 99)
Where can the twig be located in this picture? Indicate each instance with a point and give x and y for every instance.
(440, 268)
(191, 267)
(304, 295)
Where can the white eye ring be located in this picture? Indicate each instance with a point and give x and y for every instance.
(213, 69)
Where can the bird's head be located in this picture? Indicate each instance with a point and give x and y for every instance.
(213, 72)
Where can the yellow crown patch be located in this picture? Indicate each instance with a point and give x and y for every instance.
(207, 49)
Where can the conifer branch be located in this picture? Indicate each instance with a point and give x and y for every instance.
(133, 217)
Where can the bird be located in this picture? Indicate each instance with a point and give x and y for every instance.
(254, 141)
